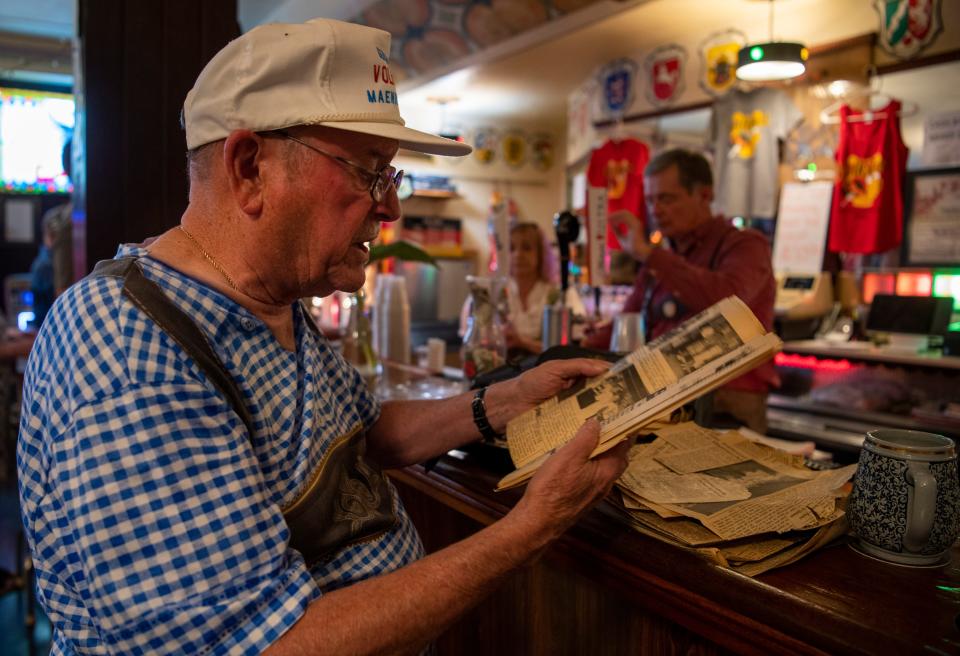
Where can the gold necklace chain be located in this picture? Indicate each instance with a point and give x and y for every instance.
(209, 258)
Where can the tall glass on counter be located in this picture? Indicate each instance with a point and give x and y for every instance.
(357, 341)
(484, 343)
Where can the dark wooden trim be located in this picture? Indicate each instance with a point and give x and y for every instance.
(138, 61)
(578, 552)
(930, 60)
(833, 602)
(451, 494)
(868, 39)
(656, 113)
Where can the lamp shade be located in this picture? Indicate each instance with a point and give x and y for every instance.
(777, 60)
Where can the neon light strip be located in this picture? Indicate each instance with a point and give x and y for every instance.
(810, 362)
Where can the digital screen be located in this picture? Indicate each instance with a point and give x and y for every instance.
(34, 127)
(798, 283)
(915, 315)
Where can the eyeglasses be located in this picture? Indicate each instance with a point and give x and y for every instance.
(379, 180)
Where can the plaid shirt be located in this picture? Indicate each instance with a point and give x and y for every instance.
(154, 523)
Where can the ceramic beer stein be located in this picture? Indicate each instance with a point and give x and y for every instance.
(905, 505)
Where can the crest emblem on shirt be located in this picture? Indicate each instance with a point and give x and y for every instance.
(862, 180)
(618, 170)
(745, 133)
(665, 67)
(718, 61)
(907, 27)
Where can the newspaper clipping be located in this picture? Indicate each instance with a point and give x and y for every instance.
(715, 346)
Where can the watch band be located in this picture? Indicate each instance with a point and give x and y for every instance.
(480, 416)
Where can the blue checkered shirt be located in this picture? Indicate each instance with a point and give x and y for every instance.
(154, 523)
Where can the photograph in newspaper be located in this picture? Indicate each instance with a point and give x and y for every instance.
(695, 349)
(612, 395)
(759, 481)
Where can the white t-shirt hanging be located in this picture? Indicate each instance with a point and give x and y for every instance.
(745, 129)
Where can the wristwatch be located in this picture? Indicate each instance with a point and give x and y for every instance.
(480, 416)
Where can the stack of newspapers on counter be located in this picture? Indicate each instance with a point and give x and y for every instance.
(745, 505)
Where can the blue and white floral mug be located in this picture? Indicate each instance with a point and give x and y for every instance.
(905, 505)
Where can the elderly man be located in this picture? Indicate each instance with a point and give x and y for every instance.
(200, 472)
(707, 260)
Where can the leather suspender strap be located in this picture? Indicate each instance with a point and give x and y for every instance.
(147, 295)
(347, 499)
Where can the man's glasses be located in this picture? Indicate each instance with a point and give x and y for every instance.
(379, 180)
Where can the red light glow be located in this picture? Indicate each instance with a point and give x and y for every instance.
(810, 362)
(877, 283)
(914, 283)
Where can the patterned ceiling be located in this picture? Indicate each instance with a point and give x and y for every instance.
(430, 35)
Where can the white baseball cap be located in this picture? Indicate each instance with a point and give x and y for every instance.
(322, 72)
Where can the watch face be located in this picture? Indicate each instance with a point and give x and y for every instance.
(669, 309)
(405, 190)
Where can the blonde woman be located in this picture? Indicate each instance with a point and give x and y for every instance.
(531, 288)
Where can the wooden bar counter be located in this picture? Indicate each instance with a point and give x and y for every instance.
(606, 589)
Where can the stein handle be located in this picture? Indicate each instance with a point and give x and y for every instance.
(921, 507)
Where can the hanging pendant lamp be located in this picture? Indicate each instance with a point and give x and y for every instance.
(773, 60)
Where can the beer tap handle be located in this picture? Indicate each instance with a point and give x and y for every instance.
(567, 226)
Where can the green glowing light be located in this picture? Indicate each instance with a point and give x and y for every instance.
(947, 283)
(811, 167)
(756, 53)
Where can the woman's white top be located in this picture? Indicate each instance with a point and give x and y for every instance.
(528, 321)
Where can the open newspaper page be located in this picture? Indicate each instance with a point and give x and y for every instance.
(708, 350)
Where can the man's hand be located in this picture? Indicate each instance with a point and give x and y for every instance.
(569, 482)
(510, 398)
(634, 243)
(535, 386)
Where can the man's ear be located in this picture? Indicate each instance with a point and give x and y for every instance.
(242, 155)
(705, 192)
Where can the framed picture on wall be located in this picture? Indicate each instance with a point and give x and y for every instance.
(932, 207)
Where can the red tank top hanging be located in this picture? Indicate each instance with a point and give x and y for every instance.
(867, 212)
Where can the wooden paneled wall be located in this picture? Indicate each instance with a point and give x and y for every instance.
(137, 60)
(548, 608)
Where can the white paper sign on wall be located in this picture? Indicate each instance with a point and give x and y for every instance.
(941, 140)
(802, 220)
